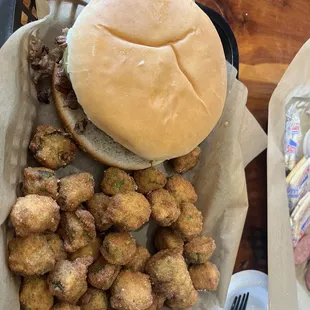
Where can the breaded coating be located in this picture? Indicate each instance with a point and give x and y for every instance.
(52, 147)
(31, 255)
(186, 162)
(165, 210)
(65, 306)
(40, 181)
(75, 189)
(158, 302)
(35, 214)
(102, 274)
(131, 291)
(118, 248)
(184, 301)
(94, 299)
(57, 245)
(117, 181)
(90, 250)
(181, 189)
(34, 294)
(149, 179)
(67, 281)
(77, 229)
(190, 222)
(169, 275)
(129, 211)
(205, 276)
(97, 206)
(199, 250)
(139, 260)
(166, 238)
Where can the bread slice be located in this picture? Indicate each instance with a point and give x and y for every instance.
(92, 140)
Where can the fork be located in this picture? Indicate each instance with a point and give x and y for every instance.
(240, 302)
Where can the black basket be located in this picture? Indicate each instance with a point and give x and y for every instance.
(16, 13)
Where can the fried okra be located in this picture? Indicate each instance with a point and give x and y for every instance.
(186, 162)
(35, 214)
(199, 250)
(118, 248)
(165, 210)
(205, 276)
(189, 224)
(94, 299)
(52, 147)
(149, 179)
(139, 260)
(34, 294)
(158, 302)
(102, 274)
(131, 291)
(90, 250)
(129, 211)
(170, 277)
(65, 306)
(184, 300)
(75, 189)
(31, 255)
(181, 189)
(40, 181)
(166, 238)
(67, 281)
(117, 181)
(97, 206)
(57, 245)
(77, 229)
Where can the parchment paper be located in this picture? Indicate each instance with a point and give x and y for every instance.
(284, 284)
(219, 177)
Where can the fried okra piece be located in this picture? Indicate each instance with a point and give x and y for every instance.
(65, 306)
(40, 181)
(35, 214)
(117, 181)
(31, 255)
(189, 224)
(186, 162)
(158, 302)
(52, 147)
(75, 189)
(118, 248)
(205, 276)
(183, 301)
(139, 260)
(181, 189)
(149, 179)
(170, 277)
(165, 210)
(166, 238)
(94, 299)
(129, 211)
(90, 250)
(77, 229)
(131, 291)
(67, 281)
(34, 294)
(57, 245)
(199, 250)
(102, 274)
(97, 206)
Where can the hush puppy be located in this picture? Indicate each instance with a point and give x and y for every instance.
(186, 162)
(117, 181)
(166, 238)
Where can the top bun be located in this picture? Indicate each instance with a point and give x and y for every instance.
(151, 74)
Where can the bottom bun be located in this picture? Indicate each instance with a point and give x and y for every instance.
(91, 139)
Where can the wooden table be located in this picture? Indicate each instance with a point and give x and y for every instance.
(269, 34)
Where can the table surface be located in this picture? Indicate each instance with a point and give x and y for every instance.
(269, 34)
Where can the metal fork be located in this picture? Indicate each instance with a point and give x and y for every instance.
(240, 302)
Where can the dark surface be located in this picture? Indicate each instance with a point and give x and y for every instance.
(7, 12)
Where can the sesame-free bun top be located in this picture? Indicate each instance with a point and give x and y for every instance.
(151, 74)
